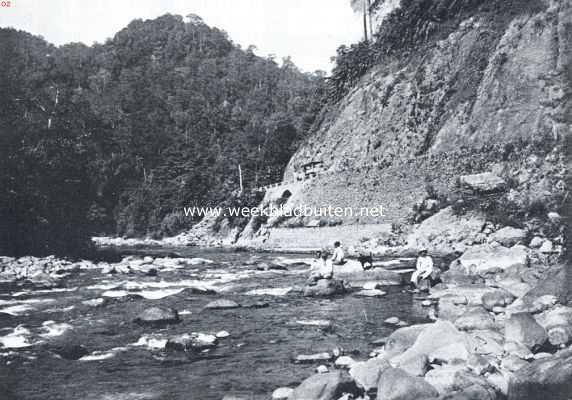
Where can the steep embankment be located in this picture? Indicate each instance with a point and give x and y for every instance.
(488, 93)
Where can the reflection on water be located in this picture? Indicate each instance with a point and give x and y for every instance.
(126, 361)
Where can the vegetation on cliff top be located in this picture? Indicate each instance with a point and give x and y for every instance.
(416, 23)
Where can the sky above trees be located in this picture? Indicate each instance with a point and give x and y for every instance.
(309, 31)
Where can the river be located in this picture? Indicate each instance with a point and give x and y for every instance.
(124, 362)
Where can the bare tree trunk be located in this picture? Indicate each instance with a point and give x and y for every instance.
(370, 21)
(365, 21)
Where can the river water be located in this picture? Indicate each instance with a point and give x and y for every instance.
(126, 361)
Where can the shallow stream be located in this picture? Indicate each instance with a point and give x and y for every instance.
(125, 360)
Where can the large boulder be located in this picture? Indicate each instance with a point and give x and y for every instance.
(557, 322)
(325, 288)
(396, 384)
(556, 283)
(367, 373)
(402, 339)
(482, 259)
(476, 318)
(497, 298)
(485, 182)
(327, 386)
(523, 328)
(356, 276)
(509, 236)
(157, 316)
(434, 337)
(548, 378)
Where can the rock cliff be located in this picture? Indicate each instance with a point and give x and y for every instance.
(459, 103)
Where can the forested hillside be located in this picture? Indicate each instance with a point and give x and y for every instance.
(118, 136)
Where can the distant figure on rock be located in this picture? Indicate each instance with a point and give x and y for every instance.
(321, 268)
(425, 275)
(338, 256)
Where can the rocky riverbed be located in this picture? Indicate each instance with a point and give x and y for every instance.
(227, 325)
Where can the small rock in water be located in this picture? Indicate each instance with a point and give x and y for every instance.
(371, 285)
(311, 358)
(371, 293)
(157, 316)
(392, 321)
(222, 334)
(222, 304)
(192, 342)
(282, 393)
(322, 369)
(314, 322)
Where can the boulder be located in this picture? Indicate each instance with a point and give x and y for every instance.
(371, 293)
(402, 339)
(513, 363)
(344, 362)
(325, 288)
(497, 298)
(486, 342)
(485, 182)
(367, 373)
(479, 364)
(536, 242)
(450, 354)
(508, 236)
(443, 379)
(327, 386)
(514, 286)
(71, 351)
(558, 324)
(313, 358)
(482, 259)
(157, 316)
(415, 366)
(548, 378)
(476, 318)
(193, 342)
(517, 349)
(434, 337)
(396, 384)
(547, 247)
(555, 283)
(353, 273)
(222, 304)
(282, 393)
(523, 328)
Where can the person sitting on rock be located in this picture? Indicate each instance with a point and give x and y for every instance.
(424, 271)
(338, 256)
(321, 268)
